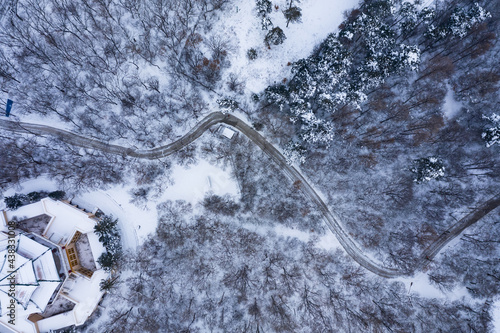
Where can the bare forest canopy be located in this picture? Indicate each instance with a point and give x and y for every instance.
(395, 119)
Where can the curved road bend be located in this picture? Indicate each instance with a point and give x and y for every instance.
(217, 117)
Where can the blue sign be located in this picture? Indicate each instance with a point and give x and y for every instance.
(8, 108)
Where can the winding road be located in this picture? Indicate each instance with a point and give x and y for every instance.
(291, 172)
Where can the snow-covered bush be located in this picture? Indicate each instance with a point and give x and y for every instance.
(264, 7)
(227, 105)
(57, 195)
(427, 168)
(107, 231)
(492, 134)
(276, 37)
(266, 23)
(294, 153)
(15, 201)
(252, 54)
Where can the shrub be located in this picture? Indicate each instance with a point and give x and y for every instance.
(275, 37)
(107, 231)
(221, 205)
(57, 195)
(34, 196)
(252, 54)
(227, 105)
(15, 201)
(427, 168)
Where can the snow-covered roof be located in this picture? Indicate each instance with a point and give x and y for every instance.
(96, 246)
(36, 274)
(61, 320)
(86, 293)
(33, 270)
(65, 219)
(227, 132)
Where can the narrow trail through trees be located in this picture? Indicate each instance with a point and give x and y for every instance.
(291, 172)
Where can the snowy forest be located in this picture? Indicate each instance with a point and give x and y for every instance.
(393, 117)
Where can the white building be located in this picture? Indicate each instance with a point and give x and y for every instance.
(49, 271)
(227, 132)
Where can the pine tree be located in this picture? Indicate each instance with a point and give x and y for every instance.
(427, 168)
(227, 105)
(107, 260)
(292, 14)
(105, 229)
(34, 196)
(252, 54)
(15, 201)
(276, 37)
(492, 134)
(57, 195)
(264, 7)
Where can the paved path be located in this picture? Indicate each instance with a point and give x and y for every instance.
(332, 222)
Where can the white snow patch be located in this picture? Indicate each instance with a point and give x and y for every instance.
(421, 285)
(52, 120)
(241, 24)
(451, 106)
(228, 133)
(42, 183)
(292, 233)
(328, 241)
(194, 183)
(495, 313)
(135, 223)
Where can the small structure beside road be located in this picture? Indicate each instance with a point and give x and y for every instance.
(227, 132)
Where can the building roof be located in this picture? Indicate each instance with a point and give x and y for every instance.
(32, 270)
(227, 132)
(36, 270)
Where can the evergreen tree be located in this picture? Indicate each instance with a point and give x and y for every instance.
(107, 260)
(492, 134)
(427, 168)
(277, 94)
(292, 14)
(276, 37)
(105, 229)
(57, 195)
(15, 201)
(252, 54)
(34, 196)
(264, 7)
(227, 105)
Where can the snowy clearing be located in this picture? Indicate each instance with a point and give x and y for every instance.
(451, 106)
(243, 27)
(193, 183)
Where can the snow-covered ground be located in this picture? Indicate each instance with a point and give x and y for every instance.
(243, 28)
(451, 106)
(420, 284)
(136, 223)
(496, 316)
(193, 183)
